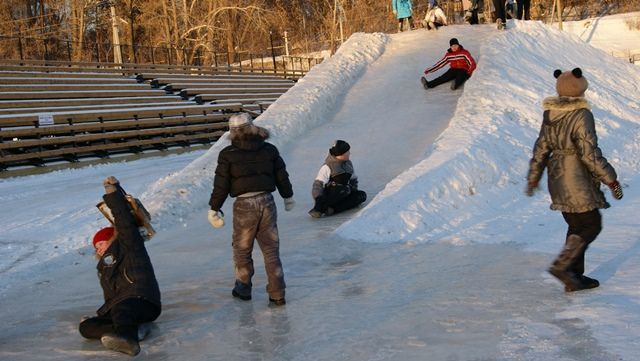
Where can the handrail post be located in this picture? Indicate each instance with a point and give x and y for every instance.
(68, 51)
(273, 54)
(20, 47)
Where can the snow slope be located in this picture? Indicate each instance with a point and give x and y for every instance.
(445, 262)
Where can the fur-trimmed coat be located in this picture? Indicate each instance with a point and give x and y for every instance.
(568, 147)
(249, 165)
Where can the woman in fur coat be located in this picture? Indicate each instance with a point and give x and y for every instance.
(567, 147)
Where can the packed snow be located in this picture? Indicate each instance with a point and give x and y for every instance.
(446, 261)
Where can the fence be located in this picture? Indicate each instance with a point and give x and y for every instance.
(30, 48)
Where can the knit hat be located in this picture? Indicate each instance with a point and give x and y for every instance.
(339, 148)
(240, 120)
(103, 235)
(453, 41)
(570, 83)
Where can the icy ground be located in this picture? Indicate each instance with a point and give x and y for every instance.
(445, 262)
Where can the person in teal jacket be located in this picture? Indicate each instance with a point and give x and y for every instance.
(403, 10)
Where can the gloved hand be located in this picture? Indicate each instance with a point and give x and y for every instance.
(216, 218)
(531, 188)
(616, 190)
(111, 184)
(289, 203)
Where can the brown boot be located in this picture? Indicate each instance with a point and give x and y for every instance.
(561, 266)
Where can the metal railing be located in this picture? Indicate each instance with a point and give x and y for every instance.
(32, 48)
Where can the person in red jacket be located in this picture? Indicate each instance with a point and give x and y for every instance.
(461, 66)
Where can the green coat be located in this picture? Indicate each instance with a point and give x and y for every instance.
(568, 147)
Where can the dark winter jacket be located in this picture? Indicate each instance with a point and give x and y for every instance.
(334, 171)
(250, 165)
(568, 147)
(460, 59)
(125, 269)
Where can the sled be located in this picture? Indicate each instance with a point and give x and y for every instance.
(140, 213)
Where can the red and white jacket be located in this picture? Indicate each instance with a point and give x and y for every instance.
(460, 59)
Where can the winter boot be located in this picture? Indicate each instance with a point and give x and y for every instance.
(143, 330)
(278, 302)
(588, 282)
(118, 343)
(315, 214)
(561, 266)
(242, 291)
(425, 83)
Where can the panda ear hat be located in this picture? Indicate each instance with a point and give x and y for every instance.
(570, 83)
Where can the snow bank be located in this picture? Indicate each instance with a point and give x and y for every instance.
(306, 105)
(479, 163)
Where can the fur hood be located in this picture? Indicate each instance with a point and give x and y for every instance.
(565, 104)
(249, 138)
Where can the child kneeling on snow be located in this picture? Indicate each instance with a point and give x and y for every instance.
(335, 188)
(129, 285)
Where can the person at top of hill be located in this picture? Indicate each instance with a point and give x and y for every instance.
(403, 10)
(129, 285)
(500, 13)
(524, 10)
(567, 146)
(434, 18)
(335, 188)
(461, 66)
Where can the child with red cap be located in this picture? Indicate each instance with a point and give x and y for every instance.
(129, 285)
(335, 188)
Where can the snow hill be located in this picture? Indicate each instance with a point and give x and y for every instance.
(445, 262)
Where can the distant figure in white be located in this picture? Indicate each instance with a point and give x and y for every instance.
(435, 18)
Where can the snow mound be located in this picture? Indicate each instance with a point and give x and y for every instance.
(306, 105)
(479, 164)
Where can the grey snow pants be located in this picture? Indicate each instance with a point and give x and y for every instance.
(255, 218)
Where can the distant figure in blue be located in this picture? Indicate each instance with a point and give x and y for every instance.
(403, 9)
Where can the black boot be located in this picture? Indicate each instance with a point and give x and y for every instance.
(561, 267)
(425, 83)
(587, 283)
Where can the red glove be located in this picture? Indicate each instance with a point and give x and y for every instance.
(616, 190)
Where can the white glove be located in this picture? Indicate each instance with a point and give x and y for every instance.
(216, 218)
(111, 184)
(289, 203)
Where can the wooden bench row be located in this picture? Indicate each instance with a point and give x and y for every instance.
(237, 92)
(67, 94)
(41, 80)
(53, 103)
(173, 87)
(25, 140)
(157, 82)
(4, 88)
(71, 117)
(128, 69)
(93, 107)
